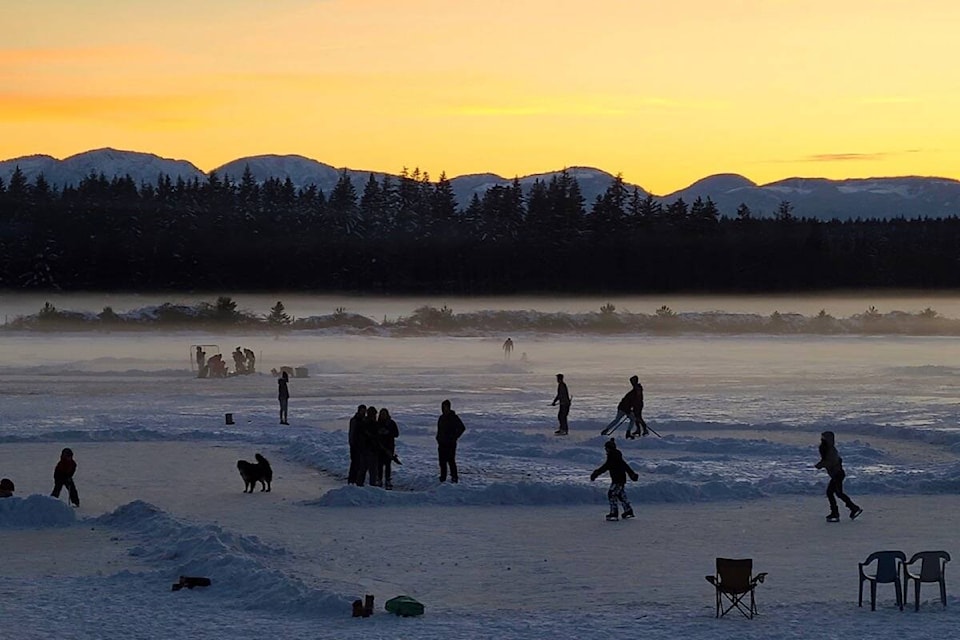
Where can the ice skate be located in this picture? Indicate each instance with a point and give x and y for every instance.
(627, 513)
(833, 517)
(613, 516)
(855, 513)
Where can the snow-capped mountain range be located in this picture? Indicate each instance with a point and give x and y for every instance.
(908, 196)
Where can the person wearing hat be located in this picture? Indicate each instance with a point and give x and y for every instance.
(563, 397)
(618, 469)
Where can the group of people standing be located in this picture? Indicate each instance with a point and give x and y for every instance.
(244, 362)
(372, 437)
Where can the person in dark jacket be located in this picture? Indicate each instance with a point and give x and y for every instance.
(283, 394)
(63, 477)
(563, 397)
(630, 407)
(636, 409)
(831, 461)
(356, 471)
(387, 434)
(370, 448)
(449, 429)
(619, 470)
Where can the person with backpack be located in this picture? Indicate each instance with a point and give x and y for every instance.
(619, 469)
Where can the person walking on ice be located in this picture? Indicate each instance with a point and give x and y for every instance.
(563, 397)
(630, 408)
(508, 348)
(283, 394)
(831, 461)
(619, 470)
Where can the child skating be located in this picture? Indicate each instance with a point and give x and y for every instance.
(618, 469)
(831, 461)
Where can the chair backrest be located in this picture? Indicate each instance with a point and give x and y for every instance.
(734, 575)
(931, 564)
(887, 566)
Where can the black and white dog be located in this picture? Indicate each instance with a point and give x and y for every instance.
(254, 472)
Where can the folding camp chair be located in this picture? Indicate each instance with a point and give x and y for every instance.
(933, 565)
(889, 569)
(734, 581)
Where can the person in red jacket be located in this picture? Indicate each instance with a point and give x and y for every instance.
(63, 477)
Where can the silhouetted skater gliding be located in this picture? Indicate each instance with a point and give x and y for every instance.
(563, 397)
(831, 461)
(618, 469)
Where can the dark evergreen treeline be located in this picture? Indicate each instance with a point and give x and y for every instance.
(407, 234)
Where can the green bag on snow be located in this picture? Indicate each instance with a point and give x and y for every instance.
(404, 606)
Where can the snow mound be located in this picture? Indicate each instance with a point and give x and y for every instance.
(34, 512)
(238, 566)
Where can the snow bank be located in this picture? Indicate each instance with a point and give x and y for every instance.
(238, 565)
(34, 512)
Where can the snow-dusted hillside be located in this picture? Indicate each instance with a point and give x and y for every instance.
(907, 196)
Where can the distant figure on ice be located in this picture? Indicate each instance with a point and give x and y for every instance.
(449, 429)
(630, 407)
(507, 348)
(63, 477)
(283, 394)
(563, 397)
(6, 488)
(353, 439)
(239, 361)
(831, 461)
(216, 367)
(201, 361)
(387, 434)
(251, 360)
(618, 469)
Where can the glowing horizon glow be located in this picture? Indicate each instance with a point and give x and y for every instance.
(664, 95)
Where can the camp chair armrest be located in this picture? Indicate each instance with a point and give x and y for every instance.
(759, 578)
(712, 580)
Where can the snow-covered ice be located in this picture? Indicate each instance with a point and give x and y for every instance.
(519, 549)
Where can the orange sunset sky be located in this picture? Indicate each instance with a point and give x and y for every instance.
(664, 92)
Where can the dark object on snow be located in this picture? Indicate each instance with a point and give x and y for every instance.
(889, 570)
(6, 488)
(358, 609)
(190, 582)
(734, 581)
(404, 606)
(252, 473)
(368, 605)
(228, 418)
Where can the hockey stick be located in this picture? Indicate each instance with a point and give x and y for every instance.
(608, 430)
